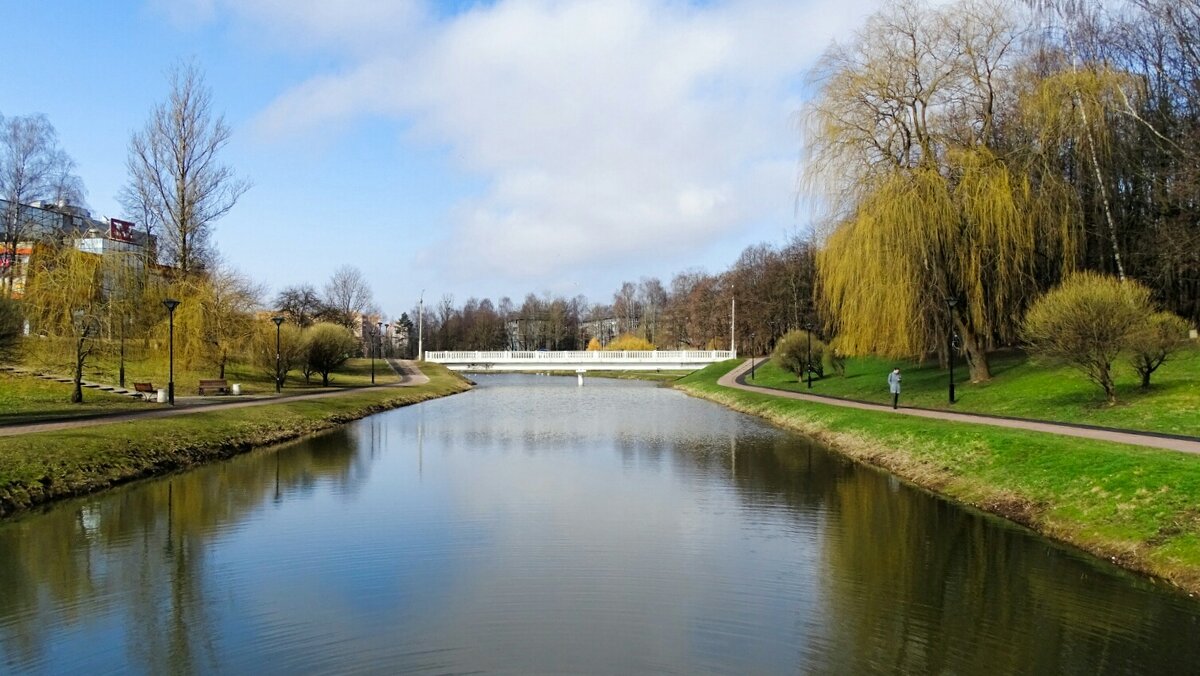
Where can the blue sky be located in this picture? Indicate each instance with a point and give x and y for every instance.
(463, 148)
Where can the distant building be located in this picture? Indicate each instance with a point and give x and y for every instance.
(44, 222)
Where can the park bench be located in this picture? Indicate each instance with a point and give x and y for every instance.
(214, 387)
(145, 389)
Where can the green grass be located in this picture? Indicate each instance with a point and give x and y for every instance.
(1140, 507)
(1023, 388)
(144, 364)
(25, 399)
(36, 468)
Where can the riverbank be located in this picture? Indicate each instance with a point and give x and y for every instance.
(1135, 507)
(38, 468)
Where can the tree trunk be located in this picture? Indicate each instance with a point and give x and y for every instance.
(977, 363)
(77, 394)
(1146, 378)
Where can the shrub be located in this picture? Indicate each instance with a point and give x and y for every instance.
(1159, 335)
(12, 325)
(291, 349)
(1087, 321)
(628, 341)
(792, 353)
(593, 345)
(835, 357)
(326, 347)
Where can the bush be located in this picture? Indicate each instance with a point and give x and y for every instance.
(593, 345)
(835, 358)
(792, 353)
(326, 347)
(628, 341)
(1161, 334)
(12, 325)
(1087, 321)
(291, 349)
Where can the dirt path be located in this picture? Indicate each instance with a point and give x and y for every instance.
(410, 376)
(735, 379)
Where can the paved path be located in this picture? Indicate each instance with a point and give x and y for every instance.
(735, 379)
(410, 376)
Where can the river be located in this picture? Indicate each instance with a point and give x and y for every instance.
(533, 526)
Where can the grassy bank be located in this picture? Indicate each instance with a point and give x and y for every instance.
(25, 399)
(37, 468)
(1025, 389)
(1138, 507)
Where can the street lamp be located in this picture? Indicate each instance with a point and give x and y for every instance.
(378, 326)
(953, 339)
(808, 327)
(383, 354)
(278, 377)
(171, 304)
(752, 344)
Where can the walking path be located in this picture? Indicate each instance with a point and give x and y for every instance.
(410, 376)
(736, 379)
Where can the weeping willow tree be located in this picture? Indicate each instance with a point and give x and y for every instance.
(215, 318)
(927, 208)
(65, 305)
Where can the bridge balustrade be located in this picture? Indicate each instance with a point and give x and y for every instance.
(579, 359)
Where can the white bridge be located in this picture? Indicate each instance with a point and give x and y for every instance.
(591, 360)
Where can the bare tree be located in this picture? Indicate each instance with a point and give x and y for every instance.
(300, 304)
(32, 167)
(175, 178)
(346, 295)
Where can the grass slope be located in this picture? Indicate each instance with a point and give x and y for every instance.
(37, 468)
(25, 399)
(1022, 388)
(1138, 507)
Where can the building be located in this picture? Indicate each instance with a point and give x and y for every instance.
(40, 222)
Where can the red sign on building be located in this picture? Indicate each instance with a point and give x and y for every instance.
(120, 230)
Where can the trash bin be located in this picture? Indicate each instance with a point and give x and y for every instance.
(236, 389)
(162, 396)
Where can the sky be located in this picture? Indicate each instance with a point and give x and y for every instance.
(460, 148)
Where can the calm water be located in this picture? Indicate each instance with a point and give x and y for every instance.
(534, 527)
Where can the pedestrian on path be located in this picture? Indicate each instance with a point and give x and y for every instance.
(894, 386)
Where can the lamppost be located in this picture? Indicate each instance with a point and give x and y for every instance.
(953, 339)
(752, 344)
(278, 377)
(383, 352)
(171, 304)
(808, 327)
(376, 338)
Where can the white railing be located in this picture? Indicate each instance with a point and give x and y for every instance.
(575, 356)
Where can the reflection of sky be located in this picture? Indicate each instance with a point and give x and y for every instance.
(535, 526)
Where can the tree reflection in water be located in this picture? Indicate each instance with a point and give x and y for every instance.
(152, 538)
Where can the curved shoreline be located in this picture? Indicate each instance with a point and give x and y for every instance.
(907, 454)
(39, 468)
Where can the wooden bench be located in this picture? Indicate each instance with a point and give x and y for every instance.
(146, 390)
(214, 387)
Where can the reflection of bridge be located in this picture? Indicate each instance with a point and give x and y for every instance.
(592, 360)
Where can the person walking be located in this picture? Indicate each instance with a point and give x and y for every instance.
(894, 386)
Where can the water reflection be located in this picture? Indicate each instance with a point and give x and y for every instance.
(142, 553)
(535, 526)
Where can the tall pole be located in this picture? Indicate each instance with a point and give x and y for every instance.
(171, 304)
(808, 360)
(732, 325)
(421, 328)
(952, 302)
(373, 339)
(278, 376)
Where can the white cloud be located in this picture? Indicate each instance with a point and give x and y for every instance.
(603, 130)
